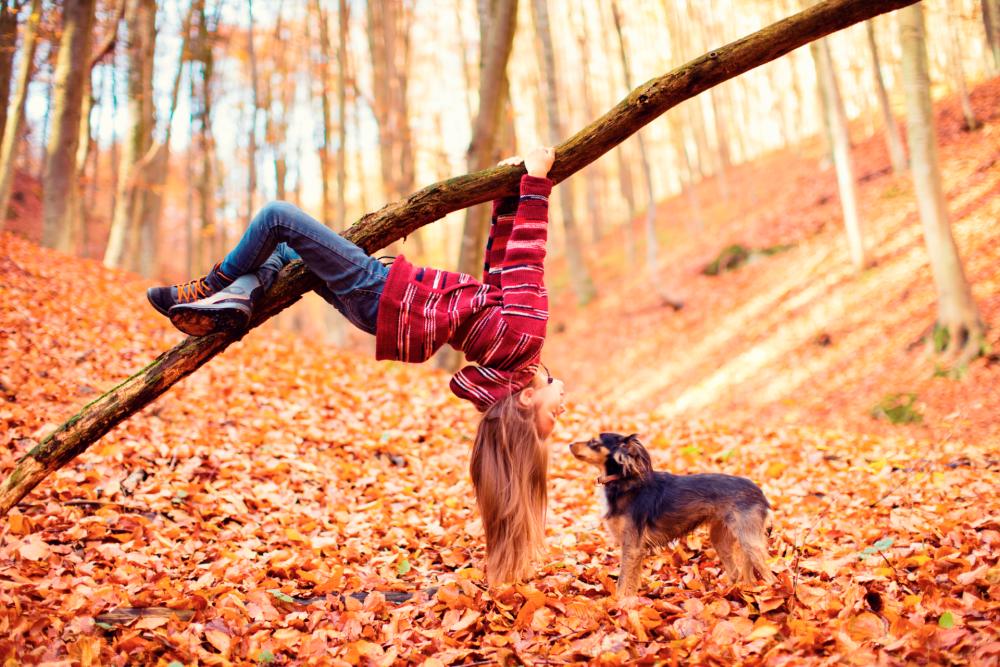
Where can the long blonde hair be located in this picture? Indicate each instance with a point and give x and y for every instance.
(509, 468)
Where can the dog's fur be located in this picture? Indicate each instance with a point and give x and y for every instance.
(647, 509)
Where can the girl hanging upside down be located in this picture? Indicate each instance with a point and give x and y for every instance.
(498, 323)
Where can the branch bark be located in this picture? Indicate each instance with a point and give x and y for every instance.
(393, 221)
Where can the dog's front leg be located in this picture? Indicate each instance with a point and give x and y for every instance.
(633, 551)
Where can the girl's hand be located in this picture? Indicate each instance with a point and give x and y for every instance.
(538, 162)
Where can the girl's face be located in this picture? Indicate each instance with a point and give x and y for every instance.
(545, 396)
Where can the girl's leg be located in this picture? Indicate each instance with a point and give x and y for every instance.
(352, 280)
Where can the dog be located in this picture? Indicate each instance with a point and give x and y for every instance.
(648, 509)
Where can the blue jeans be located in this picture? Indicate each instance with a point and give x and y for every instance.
(352, 280)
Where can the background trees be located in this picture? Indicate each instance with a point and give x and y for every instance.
(341, 111)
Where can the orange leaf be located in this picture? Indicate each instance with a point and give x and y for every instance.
(33, 547)
(762, 629)
(220, 640)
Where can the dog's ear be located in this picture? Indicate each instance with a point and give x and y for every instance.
(633, 458)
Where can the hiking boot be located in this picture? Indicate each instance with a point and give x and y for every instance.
(165, 298)
(228, 309)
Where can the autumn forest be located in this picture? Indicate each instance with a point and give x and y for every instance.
(261, 402)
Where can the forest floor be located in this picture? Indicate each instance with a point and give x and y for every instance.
(261, 497)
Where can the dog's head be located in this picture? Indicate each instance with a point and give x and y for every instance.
(621, 455)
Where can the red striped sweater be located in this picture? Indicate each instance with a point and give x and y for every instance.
(498, 323)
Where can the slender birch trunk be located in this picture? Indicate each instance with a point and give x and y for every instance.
(953, 52)
(255, 89)
(583, 286)
(325, 161)
(595, 177)
(959, 329)
(8, 45)
(652, 245)
(991, 21)
(342, 75)
(840, 144)
(15, 110)
(897, 154)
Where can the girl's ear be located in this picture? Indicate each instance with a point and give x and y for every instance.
(526, 396)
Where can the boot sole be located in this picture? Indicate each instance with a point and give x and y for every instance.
(202, 320)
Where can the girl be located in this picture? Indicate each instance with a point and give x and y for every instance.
(498, 323)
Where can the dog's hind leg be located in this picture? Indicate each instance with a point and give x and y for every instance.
(748, 527)
(725, 543)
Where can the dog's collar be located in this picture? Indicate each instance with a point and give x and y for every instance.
(606, 479)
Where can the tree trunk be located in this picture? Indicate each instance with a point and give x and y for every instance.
(897, 155)
(680, 22)
(203, 53)
(15, 110)
(252, 149)
(193, 246)
(342, 76)
(688, 180)
(583, 286)
(490, 132)
(8, 44)
(958, 317)
(60, 154)
(359, 160)
(277, 123)
(652, 245)
(123, 238)
(74, 234)
(991, 21)
(595, 177)
(389, 44)
(395, 220)
(722, 138)
(71, 236)
(151, 169)
(142, 226)
(719, 103)
(836, 122)
(498, 40)
(466, 64)
(325, 161)
(953, 51)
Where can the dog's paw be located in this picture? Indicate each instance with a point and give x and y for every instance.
(628, 601)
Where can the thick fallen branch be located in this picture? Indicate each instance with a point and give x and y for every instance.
(398, 219)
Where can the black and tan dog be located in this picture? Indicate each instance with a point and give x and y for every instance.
(647, 509)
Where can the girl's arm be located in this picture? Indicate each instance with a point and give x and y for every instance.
(522, 271)
(538, 161)
(496, 245)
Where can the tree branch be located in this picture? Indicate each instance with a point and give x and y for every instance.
(394, 221)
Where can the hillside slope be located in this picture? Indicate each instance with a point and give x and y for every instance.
(800, 337)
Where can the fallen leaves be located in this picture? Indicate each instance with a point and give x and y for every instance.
(292, 504)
